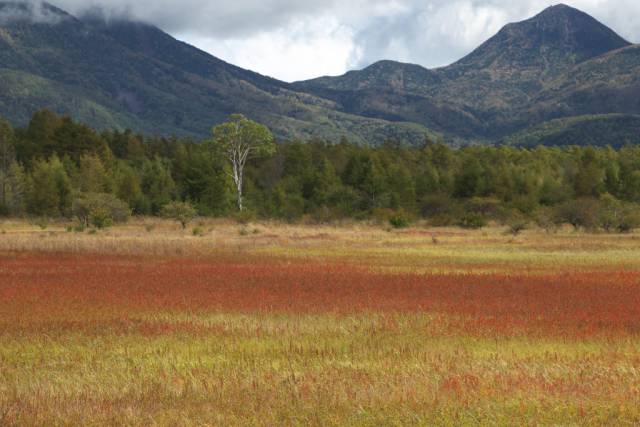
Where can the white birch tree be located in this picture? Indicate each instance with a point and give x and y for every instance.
(241, 140)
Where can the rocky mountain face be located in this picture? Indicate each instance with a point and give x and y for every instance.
(533, 71)
(530, 83)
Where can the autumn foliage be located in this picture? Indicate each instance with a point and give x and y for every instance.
(68, 288)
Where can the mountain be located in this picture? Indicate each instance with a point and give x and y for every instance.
(542, 80)
(510, 83)
(551, 42)
(124, 74)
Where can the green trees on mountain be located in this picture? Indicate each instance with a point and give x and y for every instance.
(52, 163)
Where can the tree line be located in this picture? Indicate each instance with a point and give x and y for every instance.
(55, 167)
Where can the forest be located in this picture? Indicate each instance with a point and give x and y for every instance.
(57, 168)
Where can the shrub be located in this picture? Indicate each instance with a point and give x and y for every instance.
(183, 212)
(42, 222)
(515, 221)
(399, 220)
(579, 213)
(441, 210)
(100, 218)
(545, 218)
(517, 225)
(609, 213)
(615, 215)
(630, 220)
(472, 220)
(324, 215)
(244, 217)
(485, 206)
(435, 205)
(100, 210)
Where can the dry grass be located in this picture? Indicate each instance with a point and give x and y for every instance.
(416, 249)
(147, 324)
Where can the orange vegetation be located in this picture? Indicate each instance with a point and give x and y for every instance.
(83, 292)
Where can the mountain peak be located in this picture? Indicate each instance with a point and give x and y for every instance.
(559, 35)
(33, 12)
(561, 7)
(562, 14)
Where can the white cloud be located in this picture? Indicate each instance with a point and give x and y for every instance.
(31, 11)
(298, 39)
(287, 53)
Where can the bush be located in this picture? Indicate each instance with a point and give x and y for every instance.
(610, 213)
(630, 220)
(579, 213)
(42, 222)
(244, 217)
(399, 220)
(100, 218)
(615, 215)
(517, 225)
(183, 212)
(472, 221)
(441, 210)
(395, 218)
(324, 215)
(485, 206)
(100, 210)
(545, 218)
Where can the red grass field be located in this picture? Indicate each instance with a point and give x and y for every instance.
(63, 287)
(257, 337)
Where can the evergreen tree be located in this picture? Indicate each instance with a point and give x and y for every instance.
(205, 183)
(590, 179)
(157, 184)
(127, 187)
(365, 174)
(7, 158)
(470, 181)
(50, 190)
(93, 176)
(16, 190)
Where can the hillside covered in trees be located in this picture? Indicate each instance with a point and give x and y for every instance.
(51, 164)
(560, 77)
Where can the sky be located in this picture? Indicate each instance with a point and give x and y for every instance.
(301, 39)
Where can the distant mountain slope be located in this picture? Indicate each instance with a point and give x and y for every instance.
(533, 81)
(509, 83)
(616, 130)
(125, 74)
(549, 43)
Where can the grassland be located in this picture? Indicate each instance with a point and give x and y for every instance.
(271, 324)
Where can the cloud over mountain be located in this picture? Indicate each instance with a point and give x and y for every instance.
(32, 11)
(292, 39)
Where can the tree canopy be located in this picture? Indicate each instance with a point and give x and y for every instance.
(316, 180)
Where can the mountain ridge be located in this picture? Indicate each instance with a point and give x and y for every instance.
(495, 86)
(124, 74)
(111, 78)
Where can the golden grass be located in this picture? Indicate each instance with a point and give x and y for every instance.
(145, 324)
(415, 249)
